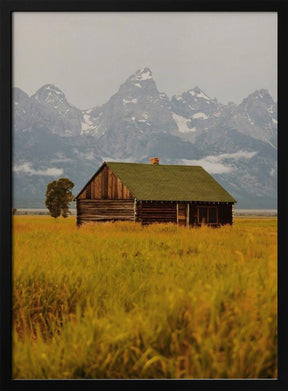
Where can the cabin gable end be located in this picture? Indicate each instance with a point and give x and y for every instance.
(105, 185)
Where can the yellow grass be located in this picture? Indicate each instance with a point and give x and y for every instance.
(118, 300)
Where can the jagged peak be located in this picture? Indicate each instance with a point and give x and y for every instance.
(142, 78)
(262, 95)
(195, 92)
(196, 89)
(50, 87)
(144, 73)
(198, 93)
(50, 94)
(141, 75)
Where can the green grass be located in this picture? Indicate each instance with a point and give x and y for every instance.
(118, 300)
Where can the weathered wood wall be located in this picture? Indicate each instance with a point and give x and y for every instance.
(225, 214)
(156, 212)
(105, 186)
(104, 210)
(146, 212)
(165, 212)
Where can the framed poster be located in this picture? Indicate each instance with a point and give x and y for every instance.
(120, 270)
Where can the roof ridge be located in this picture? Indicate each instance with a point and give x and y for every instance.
(153, 165)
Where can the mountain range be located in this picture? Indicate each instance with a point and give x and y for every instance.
(236, 144)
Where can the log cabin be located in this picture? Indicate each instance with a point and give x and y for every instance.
(154, 193)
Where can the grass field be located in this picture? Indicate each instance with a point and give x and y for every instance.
(118, 300)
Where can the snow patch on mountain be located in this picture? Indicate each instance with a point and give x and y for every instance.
(90, 124)
(143, 74)
(196, 92)
(199, 116)
(87, 120)
(127, 101)
(182, 123)
(53, 88)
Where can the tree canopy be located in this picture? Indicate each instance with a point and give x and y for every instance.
(58, 197)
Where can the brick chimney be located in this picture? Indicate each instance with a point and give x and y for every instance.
(154, 160)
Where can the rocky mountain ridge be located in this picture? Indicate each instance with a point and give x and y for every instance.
(237, 144)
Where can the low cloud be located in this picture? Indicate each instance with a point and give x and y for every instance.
(27, 168)
(215, 164)
(237, 155)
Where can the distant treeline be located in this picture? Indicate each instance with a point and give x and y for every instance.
(255, 212)
(36, 211)
(237, 212)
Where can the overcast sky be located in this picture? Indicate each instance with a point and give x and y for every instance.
(89, 55)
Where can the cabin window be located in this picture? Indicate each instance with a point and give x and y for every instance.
(207, 215)
(202, 215)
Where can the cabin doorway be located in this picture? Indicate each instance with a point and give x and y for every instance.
(183, 214)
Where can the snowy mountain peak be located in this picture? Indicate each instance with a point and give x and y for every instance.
(198, 93)
(50, 88)
(141, 77)
(137, 109)
(50, 104)
(261, 95)
(142, 74)
(50, 94)
(198, 108)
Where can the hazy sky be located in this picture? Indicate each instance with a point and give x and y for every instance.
(89, 55)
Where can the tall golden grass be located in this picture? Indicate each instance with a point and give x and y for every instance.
(118, 300)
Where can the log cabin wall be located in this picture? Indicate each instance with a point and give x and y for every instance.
(104, 210)
(225, 214)
(165, 212)
(105, 186)
(156, 212)
(105, 198)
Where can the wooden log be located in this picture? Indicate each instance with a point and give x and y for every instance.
(103, 210)
(152, 212)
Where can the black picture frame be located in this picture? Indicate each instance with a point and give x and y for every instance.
(10, 6)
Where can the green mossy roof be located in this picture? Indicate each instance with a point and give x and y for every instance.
(149, 182)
